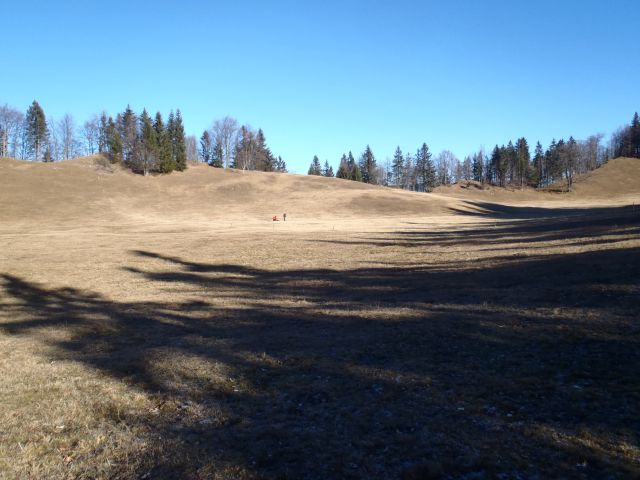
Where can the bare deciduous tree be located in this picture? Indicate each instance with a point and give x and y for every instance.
(191, 145)
(11, 127)
(445, 163)
(54, 141)
(91, 132)
(590, 153)
(67, 134)
(225, 132)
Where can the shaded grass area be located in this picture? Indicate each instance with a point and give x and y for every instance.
(525, 225)
(498, 368)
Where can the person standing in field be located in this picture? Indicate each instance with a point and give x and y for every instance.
(284, 217)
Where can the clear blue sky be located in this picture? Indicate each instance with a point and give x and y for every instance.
(326, 77)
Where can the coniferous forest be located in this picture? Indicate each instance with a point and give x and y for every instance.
(512, 164)
(149, 144)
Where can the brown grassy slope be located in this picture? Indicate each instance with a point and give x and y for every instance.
(82, 189)
(619, 178)
(88, 192)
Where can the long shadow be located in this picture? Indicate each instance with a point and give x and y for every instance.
(398, 372)
(499, 210)
(529, 225)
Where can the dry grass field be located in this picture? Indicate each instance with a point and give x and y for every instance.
(165, 327)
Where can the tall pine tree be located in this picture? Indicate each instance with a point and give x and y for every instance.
(478, 166)
(315, 168)
(354, 170)
(36, 130)
(368, 166)
(425, 169)
(206, 147)
(522, 161)
(327, 171)
(113, 142)
(128, 129)
(343, 169)
(264, 160)
(356, 175)
(281, 165)
(175, 128)
(102, 133)
(144, 154)
(570, 160)
(397, 167)
(498, 165)
(537, 176)
(217, 159)
(164, 157)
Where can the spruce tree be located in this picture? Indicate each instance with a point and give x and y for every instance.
(555, 161)
(128, 128)
(206, 147)
(264, 157)
(409, 172)
(103, 133)
(432, 178)
(368, 166)
(245, 149)
(327, 171)
(570, 161)
(113, 142)
(488, 173)
(343, 169)
(537, 177)
(36, 129)
(315, 168)
(425, 169)
(522, 160)
(356, 175)
(354, 171)
(147, 132)
(420, 170)
(397, 167)
(163, 149)
(144, 155)
(510, 158)
(478, 167)
(270, 163)
(217, 158)
(496, 164)
(179, 143)
(281, 165)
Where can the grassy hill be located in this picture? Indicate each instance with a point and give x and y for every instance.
(86, 188)
(90, 191)
(618, 179)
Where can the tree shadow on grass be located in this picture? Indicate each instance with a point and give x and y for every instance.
(509, 370)
(530, 225)
(500, 211)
